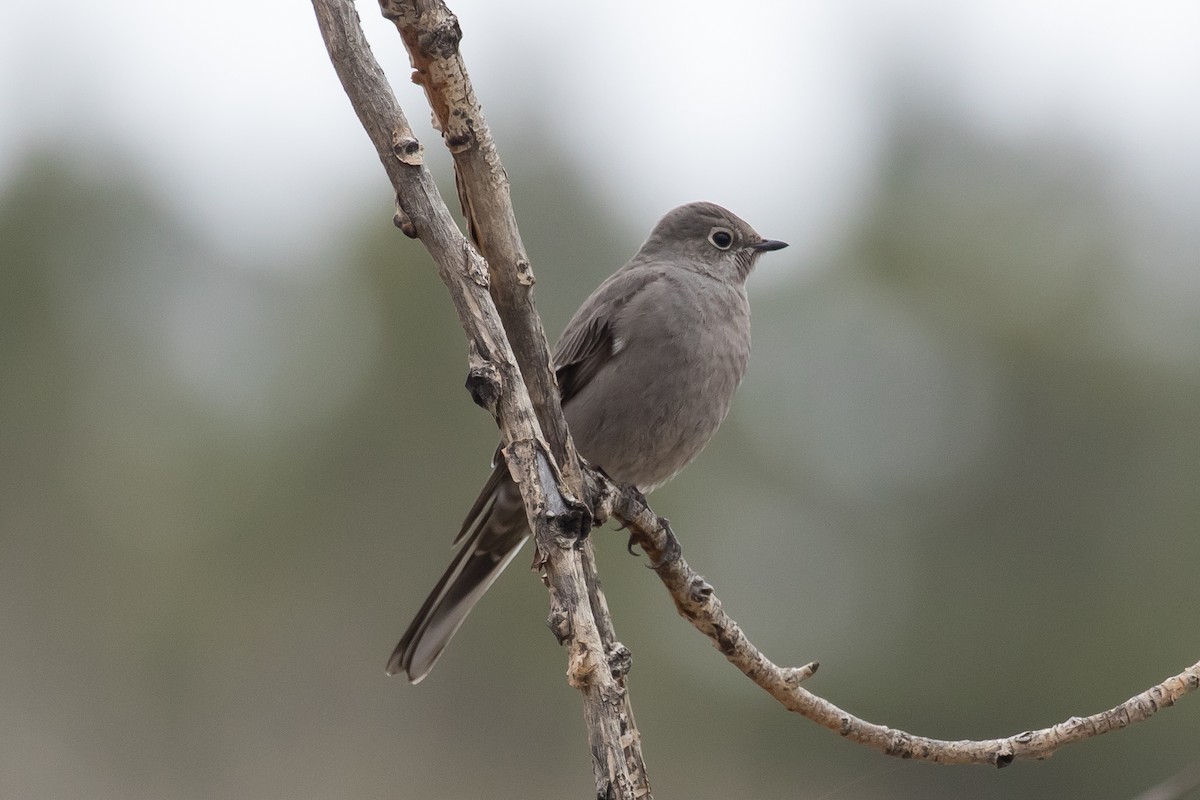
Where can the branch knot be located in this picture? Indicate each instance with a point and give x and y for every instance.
(407, 148)
(484, 381)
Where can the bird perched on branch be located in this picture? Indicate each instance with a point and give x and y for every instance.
(646, 371)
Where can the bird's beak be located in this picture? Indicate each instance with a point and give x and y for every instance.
(768, 244)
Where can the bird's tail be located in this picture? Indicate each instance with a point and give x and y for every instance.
(491, 535)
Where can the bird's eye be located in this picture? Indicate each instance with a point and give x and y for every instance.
(720, 238)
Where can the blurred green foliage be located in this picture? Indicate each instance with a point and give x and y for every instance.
(962, 474)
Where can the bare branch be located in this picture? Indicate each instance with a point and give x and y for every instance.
(697, 601)
(432, 34)
(547, 472)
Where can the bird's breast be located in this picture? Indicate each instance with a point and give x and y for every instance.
(655, 406)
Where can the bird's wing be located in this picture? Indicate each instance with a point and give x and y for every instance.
(592, 337)
(580, 357)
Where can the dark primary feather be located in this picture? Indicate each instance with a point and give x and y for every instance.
(588, 342)
(589, 350)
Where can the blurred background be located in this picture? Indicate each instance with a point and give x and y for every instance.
(962, 471)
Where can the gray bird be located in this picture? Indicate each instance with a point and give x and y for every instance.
(646, 370)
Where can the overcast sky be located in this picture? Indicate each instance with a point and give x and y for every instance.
(774, 109)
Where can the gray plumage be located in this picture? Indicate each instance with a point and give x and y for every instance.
(646, 370)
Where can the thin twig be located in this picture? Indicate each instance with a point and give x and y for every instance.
(697, 601)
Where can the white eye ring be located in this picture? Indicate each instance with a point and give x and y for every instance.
(721, 238)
